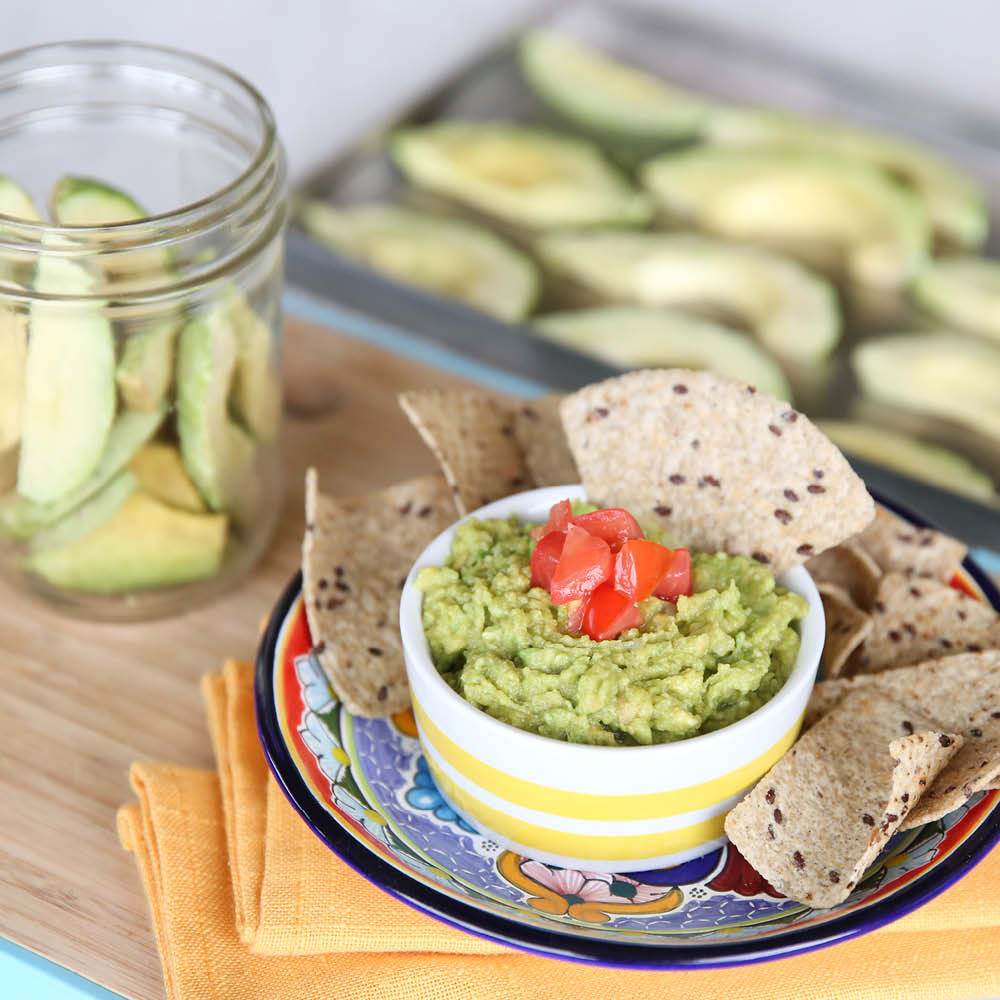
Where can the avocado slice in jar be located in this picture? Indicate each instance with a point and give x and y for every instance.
(599, 92)
(144, 543)
(964, 291)
(955, 199)
(938, 374)
(635, 337)
(255, 394)
(161, 473)
(927, 462)
(451, 257)
(526, 176)
(811, 204)
(791, 311)
(69, 385)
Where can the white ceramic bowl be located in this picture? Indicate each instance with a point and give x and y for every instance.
(609, 809)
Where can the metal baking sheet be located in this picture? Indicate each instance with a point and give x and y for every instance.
(703, 58)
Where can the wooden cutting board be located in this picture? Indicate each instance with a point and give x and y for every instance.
(79, 702)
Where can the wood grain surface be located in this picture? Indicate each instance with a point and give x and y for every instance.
(79, 702)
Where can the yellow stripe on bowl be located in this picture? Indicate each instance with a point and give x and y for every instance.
(582, 805)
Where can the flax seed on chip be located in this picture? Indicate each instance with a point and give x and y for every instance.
(900, 547)
(720, 465)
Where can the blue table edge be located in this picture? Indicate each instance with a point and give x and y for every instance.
(26, 973)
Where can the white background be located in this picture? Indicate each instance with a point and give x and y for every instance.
(330, 68)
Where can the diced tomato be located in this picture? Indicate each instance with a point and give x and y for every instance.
(545, 558)
(676, 579)
(615, 525)
(639, 568)
(585, 563)
(574, 621)
(559, 517)
(608, 612)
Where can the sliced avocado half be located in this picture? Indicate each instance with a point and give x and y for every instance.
(799, 201)
(527, 176)
(633, 337)
(448, 256)
(955, 199)
(601, 93)
(792, 312)
(964, 291)
(144, 543)
(217, 454)
(22, 518)
(69, 385)
(927, 462)
(939, 374)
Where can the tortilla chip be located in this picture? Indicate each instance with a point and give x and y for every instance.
(472, 435)
(900, 547)
(850, 567)
(815, 822)
(356, 554)
(959, 693)
(921, 619)
(846, 627)
(540, 434)
(720, 465)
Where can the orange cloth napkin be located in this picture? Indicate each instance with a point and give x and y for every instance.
(248, 904)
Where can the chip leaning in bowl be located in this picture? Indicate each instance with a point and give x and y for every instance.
(591, 630)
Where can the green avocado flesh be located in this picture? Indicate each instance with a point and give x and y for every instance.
(807, 203)
(633, 337)
(525, 176)
(955, 199)
(964, 291)
(90, 514)
(144, 543)
(16, 202)
(161, 473)
(453, 258)
(600, 93)
(792, 312)
(255, 395)
(939, 374)
(927, 462)
(699, 665)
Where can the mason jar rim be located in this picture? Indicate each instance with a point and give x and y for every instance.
(184, 212)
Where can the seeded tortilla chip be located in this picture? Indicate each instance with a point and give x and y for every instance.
(959, 693)
(355, 555)
(850, 567)
(916, 619)
(846, 627)
(542, 439)
(472, 435)
(719, 464)
(900, 547)
(815, 822)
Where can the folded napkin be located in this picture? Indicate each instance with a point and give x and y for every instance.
(247, 904)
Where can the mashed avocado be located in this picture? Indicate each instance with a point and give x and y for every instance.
(693, 667)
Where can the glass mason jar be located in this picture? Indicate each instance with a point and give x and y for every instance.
(142, 210)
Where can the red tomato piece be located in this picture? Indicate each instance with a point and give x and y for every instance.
(560, 515)
(615, 525)
(608, 613)
(574, 621)
(545, 558)
(585, 563)
(639, 567)
(676, 579)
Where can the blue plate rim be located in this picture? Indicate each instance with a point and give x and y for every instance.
(564, 944)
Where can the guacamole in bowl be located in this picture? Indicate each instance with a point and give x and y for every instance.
(691, 665)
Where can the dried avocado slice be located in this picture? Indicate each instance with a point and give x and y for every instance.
(791, 311)
(69, 385)
(453, 258)
(601, 93)
(526, 176)
(143, 544)
(955, 199)
(928, 462)
(633, 337)
(964, 291)
(802, 201)
(940, 374)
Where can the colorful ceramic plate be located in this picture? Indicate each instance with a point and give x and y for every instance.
(363, 787)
